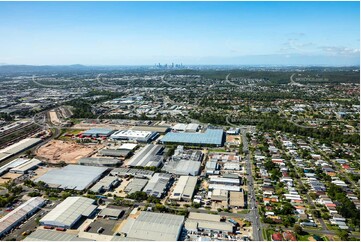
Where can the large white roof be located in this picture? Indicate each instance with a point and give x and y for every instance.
(72, 176)
(128, 146)
(154, 226)
(20, 212)
(69, 211)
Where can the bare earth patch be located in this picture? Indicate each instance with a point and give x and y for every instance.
(57, 150)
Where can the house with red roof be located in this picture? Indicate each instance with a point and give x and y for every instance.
(289, 236)
(276, 237)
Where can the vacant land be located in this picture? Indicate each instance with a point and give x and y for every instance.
(54, 117)
(69, 152)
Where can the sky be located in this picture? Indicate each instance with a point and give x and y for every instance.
(145, 33)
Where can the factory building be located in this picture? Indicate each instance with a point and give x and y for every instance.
(128, 146)
(154, 227)
(133, 135)
(139, 173)
(158, 129)
(236, 199)
(211, 137)
(219, 195)
(70, 211)
(209, 223)
(184, 188)
(158, 185)
(182, 167)
(223, 183)
(184, 162)
(121, 154)
(19, 214)
(74, 177)
(53, 235)
(99, 161)
(150, 155)
(97, 133)
(111, 213)
(26, 167)
(105, 184)
(15, 163)
(181, 153)
(212, 167)
(18, 147)
(233, 131)
(191, 128)
(136, 185)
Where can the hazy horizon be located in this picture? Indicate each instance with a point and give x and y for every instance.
(192, 33)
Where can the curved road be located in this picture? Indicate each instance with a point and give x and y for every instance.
(231, 83)
(43, 85)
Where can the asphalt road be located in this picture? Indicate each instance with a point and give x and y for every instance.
(254, 216)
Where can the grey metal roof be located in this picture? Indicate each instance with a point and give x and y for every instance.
(131, 171)
(51, 235)
(114, 153)
(67, 213)
(72, 176)
(12, 164)
(148, 156)
(97, 161)
(157, 184)
(154, 226)
(111, 212)
(20, 213)
(135, 185)
(185, 187)
(26, 166)
(21, 145)
(159, 129)
(105, 183)
(183, 167)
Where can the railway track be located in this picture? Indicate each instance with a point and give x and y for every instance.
(20, 136)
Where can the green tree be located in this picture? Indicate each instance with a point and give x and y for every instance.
(297, 229)
(343, 234)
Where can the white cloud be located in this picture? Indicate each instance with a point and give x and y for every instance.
(340, 50)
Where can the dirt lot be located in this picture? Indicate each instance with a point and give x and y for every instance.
(9, 177)
(233, 138)
(69, 152)
(54, 117)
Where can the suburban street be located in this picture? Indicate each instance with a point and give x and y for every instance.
(256, 224)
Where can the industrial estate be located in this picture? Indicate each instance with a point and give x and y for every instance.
(149, 154)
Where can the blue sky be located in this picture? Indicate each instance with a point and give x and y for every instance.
(133, 33)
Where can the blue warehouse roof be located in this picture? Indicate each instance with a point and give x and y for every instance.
(210, 137)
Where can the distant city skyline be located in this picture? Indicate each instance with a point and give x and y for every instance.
(192, 33)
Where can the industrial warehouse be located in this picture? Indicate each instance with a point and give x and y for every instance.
(184, 188)
(25, 210)
(97, 133)
(154, 226)
(67, 213)
(99, 161)
(134, 135)
(211, 137)
(18, 147)
(74, 177)
(150, 155)
(158, 185)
